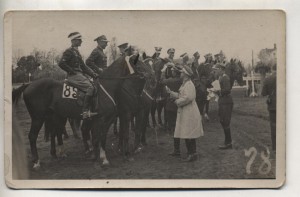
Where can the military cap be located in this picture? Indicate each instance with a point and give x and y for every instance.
(196, 54)
(208, 55)
(184, 55)
(101, 38)
(123, 46)
(74, 35)
(158, 49)
(171, 50)
(217, 55)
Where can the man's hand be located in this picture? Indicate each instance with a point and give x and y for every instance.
(95, 75)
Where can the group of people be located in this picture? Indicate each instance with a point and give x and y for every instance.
(185, 83)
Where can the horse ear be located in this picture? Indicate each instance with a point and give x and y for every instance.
(144, 56)
(154, 56)
(136, 59)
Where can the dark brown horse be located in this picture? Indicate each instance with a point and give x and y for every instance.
(160, 94)
(141, 88)
(43, 99)
(144, 90)
(234, 69)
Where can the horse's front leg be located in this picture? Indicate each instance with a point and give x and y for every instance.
(75, 125)
(86, 137)
(103, 135)
(97, 126)
(153, 110)
(60, 128)
(124, 132)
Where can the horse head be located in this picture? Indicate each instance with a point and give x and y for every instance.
(147, 71)
(236, 71)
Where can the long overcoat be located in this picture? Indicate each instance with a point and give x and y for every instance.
(188, 122)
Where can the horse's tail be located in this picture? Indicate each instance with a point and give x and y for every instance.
(16, 93)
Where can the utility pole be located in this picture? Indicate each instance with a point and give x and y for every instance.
(253, 93)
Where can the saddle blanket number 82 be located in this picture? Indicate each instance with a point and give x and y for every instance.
(69, 92)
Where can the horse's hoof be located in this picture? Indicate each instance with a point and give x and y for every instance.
(138, 149)
(105, 162)
(36, 165)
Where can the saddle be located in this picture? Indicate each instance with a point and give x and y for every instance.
(74, 91)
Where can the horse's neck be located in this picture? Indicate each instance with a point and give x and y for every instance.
(114, 77)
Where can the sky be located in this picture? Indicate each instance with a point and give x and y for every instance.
(236, 33)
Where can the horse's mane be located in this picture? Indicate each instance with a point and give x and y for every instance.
(116, 68)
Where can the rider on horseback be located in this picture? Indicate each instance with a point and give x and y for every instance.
(72, 63)
(125, 49)
(97, 61)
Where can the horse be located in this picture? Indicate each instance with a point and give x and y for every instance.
(44, 102)
(234, 69)
(141, 88)
(160, 97)
(146, 93)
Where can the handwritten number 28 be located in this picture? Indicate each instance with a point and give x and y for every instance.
(252, 152)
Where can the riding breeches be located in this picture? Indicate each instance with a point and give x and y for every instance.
(82, 82)
(225, 111)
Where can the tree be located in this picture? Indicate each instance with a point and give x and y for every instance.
(267, 58)
(112, 51)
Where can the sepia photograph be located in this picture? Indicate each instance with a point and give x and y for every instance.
(145, 99)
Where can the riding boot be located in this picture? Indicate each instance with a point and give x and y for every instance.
(176, 152)
(86, 107)
(228, 142)
(188, 146)
(228, 136)
(191, 146)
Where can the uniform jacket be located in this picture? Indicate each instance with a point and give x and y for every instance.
(72, 62)
(225, 97)
(174, 84)
(97, 60)
(269, 89)
(188, 122)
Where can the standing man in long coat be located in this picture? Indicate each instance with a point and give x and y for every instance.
(188, 121)
(97, 60)
(269, 89)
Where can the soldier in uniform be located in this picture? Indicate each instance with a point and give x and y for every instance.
(169, 63)
(157, 53)
(124, 48)
(97, 61)
(185, 59)
(204, 71)
(269, 89)
(196, 77)
(225, 105)
(72, 63)
(173, 83)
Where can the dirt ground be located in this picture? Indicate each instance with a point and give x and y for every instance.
(250, 128)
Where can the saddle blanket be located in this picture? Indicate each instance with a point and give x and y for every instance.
(69, 92)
